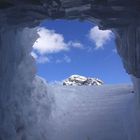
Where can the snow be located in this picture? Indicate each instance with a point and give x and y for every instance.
(17, 72)
(136, 83)
(79, 80)
(25, 113)
(94, 113)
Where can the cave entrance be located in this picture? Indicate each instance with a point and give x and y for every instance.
(65, 48)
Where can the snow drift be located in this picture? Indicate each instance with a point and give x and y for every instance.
(19, 117)
(106, 112)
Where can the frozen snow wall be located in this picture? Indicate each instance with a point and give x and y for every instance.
(128, 46)
(19, 105)
(15, 83)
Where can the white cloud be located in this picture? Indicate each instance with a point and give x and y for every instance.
(49, 42)
(67, 59)
(100, 37)
(59, 61)
(34, 55)
(43, 59)
(75, 44)
(114, 50)
(40, 58)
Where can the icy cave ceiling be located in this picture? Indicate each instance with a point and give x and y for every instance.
(106, 13)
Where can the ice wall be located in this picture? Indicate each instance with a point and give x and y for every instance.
(136, 82)
(128, 46)
(18, 111)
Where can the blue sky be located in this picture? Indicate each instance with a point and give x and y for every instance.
(65, 48)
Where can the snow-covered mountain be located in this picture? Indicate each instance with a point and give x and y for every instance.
(82, 80)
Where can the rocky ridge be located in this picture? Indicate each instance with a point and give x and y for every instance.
(78, 80)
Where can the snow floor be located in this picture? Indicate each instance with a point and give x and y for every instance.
(93, 113)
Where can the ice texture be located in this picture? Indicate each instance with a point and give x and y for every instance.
(128, 47)
(18, 116)
(136, 84)
(105, 112)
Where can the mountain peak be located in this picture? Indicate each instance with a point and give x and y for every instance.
(79, 80)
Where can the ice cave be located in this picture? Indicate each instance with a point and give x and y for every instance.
(25, 100)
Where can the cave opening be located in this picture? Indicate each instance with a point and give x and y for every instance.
(66, 48)
(28, 104)
(26, 109)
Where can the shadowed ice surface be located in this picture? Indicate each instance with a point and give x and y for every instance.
(93, 113)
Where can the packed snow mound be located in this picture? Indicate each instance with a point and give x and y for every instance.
(107, 112)
(82, 80)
